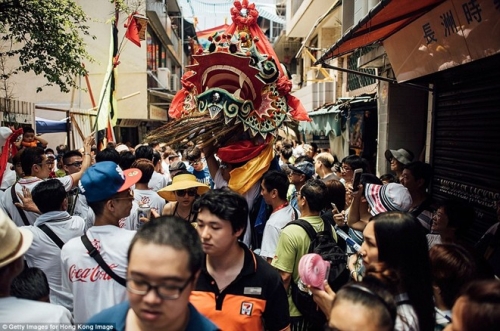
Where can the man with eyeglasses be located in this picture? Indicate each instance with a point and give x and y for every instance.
(164, 262)
(36, 168)
(72, 164)
(107, 190)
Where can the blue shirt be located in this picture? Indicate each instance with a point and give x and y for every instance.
(203, 176)
(117, 316)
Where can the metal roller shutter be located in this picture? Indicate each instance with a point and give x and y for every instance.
(466, 139)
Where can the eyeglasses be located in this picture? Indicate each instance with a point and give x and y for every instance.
(190, 192)
(130, 196)
(77, 164)
(164, 291)
(196, 162)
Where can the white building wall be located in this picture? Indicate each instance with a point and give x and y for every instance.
(131, 73)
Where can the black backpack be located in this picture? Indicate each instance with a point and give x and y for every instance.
(322, 243)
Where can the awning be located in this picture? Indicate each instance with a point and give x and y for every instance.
(50, 126)
(326, 119)
(383, 20)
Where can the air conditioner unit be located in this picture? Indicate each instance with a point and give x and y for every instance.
(174, 84)
(164, 78)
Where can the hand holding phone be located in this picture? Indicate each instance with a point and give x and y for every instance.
(356, 179)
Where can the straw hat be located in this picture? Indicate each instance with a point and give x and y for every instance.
(14, 241)
(182, 182)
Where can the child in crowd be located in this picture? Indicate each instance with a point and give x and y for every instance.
(29, 140)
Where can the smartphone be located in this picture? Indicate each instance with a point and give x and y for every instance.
(356, 179)
(334, 208)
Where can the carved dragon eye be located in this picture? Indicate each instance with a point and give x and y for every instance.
(216, 97)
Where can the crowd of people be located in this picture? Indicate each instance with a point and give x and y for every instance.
(152, 238)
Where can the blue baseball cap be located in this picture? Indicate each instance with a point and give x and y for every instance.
(104, 179)
(304, 167)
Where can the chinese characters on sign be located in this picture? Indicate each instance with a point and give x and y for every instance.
(453, 33)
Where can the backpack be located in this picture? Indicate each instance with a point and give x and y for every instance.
(322, 243)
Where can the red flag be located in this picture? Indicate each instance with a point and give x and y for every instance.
(132, 32)
(136, 28)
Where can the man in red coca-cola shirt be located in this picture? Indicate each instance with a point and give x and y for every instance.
(107, 190)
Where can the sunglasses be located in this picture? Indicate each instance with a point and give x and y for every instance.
(75, 164)
(192, 192)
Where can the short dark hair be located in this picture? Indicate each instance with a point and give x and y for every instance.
(482, 304)
(97, 206)
(286, 152)
(127, 158)
(71, 154)
(108, 154)
(193, 154)
(452, 267)
(314, 147)
(335, 193)
(156, 158)
(314, 191)
(356, 162)
(28, 130)
(420, 170)
(144, 152)
(276, 179)
(371, 294)
(147, 169)
(30, 284)
(389, 178)
(30, 157)
(174, 232)
(226, 205)
(49, 195)
(61, 149)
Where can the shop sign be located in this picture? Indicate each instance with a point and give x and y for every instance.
(454, 33)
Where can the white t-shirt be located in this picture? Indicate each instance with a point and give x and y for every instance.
(165, 166)
(131, 222)
(29, 183)
(249, 196)
(406, 319)
(150, 198)
(83, 210)
(272, 230)
(92, 288)
(14, 310)
(157, 181)
(46, 255)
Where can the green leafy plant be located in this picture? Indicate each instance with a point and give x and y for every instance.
(46, 37)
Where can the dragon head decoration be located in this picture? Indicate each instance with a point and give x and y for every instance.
(235, 96)
(235, 91)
